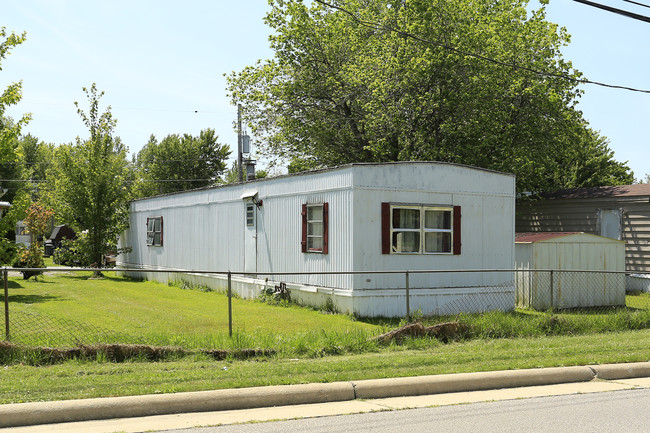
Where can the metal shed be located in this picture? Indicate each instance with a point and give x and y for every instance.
(547, 265)
(361, 218)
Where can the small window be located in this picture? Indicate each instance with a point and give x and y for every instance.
(315, 228)
(420, 229)
(155, 231)
(250, 214)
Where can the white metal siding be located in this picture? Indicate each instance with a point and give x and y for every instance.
(204, 229)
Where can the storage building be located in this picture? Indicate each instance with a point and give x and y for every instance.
(548, 266)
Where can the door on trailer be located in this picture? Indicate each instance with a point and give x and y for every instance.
(250, 237)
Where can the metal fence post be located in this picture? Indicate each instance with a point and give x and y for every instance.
(5, 275)
(408, 306)
(552, 290)
(229, 304)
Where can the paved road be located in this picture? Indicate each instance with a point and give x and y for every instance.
(616, 411)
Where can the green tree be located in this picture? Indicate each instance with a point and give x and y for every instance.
(180, 162)
(90, 178)
(35, 156)
(9, 129)
(445, 80)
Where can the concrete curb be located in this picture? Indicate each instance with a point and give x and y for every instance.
(22, 414)
(445, 383)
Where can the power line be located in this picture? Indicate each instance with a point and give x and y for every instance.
(637, 3)
(155, 160)
(127, 181)
(375, 25)
(614, 10)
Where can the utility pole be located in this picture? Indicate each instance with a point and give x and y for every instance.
(239, 144)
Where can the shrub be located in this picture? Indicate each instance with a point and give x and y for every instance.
(31, 257)
(72, 252)
(8, 252)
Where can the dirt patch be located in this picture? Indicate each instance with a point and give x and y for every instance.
(125, 352)
(444, 332)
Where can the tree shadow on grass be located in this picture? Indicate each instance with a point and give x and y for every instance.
(33, 299)
(11, 284)
(105, 277)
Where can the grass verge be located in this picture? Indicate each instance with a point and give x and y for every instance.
(291, 344)
(80, 379)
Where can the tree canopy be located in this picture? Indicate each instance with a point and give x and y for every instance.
(10, 129)
(180, 162)
(89, 181)
(475, 82)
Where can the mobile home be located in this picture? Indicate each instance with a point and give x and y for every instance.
(338, 229)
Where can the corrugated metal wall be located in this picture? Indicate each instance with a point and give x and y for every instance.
(487, 226)
(205, 229)
(582, 215)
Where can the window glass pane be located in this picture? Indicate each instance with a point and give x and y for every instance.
(406, 218)
(437, 242)
(250, 214)
(156, 225)
(150, 238)
(315, 243)
(315, 213)
(406, 242)
(437, 219)
(150, 224)
(156, 239)
(315, 228)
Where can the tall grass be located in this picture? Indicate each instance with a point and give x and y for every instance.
(69, 311)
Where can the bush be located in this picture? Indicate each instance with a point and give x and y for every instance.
(72, 252)
(8, 252)
(31, 257)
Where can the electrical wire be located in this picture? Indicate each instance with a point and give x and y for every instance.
(614, 10)
(637, 3)
(376, 25)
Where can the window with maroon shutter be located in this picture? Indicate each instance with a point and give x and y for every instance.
(420, 229)
(315, 230)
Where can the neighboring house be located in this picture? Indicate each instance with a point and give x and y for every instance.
(617, 212)
(353, 218)
(23, 236)
(4, 205)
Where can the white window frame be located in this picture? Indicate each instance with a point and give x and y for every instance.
(422, 230)
(250, 214)
(151, 231)
(311, 223)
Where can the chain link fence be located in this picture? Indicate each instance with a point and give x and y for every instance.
(518, 292)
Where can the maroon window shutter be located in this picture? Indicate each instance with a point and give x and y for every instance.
(161, 231)
(325, 227)
(303, 242)
(385, 228)
(457, 242)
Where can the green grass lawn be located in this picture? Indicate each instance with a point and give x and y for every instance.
(308, 345)
(116, 309)
(77, 379)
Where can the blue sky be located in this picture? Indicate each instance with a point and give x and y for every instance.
(161, 65)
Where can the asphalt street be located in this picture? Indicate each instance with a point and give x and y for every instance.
(615, 411)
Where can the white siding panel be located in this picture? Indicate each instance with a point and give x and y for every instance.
(204, 229)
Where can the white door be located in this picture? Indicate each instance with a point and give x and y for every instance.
(250, 236)
(610, 223)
